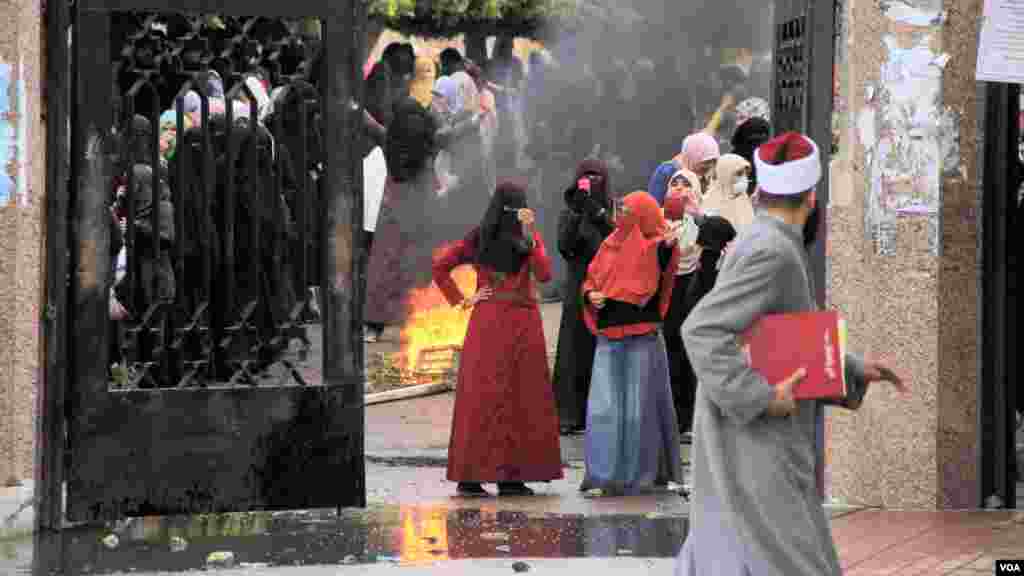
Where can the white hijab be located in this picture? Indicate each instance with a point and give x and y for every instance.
(724, 198)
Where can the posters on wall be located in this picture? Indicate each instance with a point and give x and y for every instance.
(8, 142)
(1001, 42)
(909, 137)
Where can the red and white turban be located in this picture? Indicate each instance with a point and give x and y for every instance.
(792, 176)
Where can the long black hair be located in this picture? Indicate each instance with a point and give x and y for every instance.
(502, 245)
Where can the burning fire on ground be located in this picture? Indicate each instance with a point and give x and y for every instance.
(432, 322)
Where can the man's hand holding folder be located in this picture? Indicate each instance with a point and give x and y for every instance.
(805, 356)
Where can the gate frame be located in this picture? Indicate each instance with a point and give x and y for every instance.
(815, 120)
(341, 282)
(998, 366)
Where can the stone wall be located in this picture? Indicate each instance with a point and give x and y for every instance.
(22, 177)
(903, 258)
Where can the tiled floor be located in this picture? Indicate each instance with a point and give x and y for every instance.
(910, 543)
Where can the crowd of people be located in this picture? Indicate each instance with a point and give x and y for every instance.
(756, 507)
(211, 214)
(661, 283)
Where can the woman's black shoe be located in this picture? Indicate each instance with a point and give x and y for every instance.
(471, 490)
(513, 489)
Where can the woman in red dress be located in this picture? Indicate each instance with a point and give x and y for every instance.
(505, 425)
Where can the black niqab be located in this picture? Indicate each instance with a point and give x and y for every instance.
(502, 245)
(598, 191)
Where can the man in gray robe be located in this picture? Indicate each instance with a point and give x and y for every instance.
(756, 510)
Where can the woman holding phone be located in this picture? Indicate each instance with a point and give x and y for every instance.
(582, 225)
(505, 425)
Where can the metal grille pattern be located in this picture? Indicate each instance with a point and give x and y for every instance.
(219, 235)
(791, 70)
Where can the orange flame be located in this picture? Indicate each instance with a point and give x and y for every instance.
(432, 322)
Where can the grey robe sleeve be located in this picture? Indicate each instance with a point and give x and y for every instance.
(743, 293)
(856, 387)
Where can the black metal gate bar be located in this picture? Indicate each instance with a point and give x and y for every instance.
(147, 337)
(821, 18)
(998, 363)
(90, 225)
(343, 257)
(55, 375)
(802, 101)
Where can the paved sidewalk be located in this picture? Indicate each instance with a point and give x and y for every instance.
(906, 543)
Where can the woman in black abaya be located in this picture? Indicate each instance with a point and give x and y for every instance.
(582, 225)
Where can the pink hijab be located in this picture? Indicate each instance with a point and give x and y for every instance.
(697, 148)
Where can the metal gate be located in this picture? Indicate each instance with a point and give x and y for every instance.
(228, 217)
(1002, 181)
(802, 85)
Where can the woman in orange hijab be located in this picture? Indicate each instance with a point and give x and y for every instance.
(632, 437)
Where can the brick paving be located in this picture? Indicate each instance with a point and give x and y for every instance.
(874, 542)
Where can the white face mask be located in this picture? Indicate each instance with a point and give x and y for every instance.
(740, 186)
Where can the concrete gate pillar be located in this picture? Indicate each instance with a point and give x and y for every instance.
(22, 177)
(903, 250)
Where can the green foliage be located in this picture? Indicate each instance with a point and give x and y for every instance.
(449, 18)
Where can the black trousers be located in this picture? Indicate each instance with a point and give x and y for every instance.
(684, 382)
(367, 246)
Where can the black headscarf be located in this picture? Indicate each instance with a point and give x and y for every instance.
(746, 139)
(501, 244)
(749, 135)
(598, 192)
(410, 141)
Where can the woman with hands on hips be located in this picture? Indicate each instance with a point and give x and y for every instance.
(504, 426)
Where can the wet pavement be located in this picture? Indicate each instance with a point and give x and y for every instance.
(449, 540)
(385, 534)
(381, 534)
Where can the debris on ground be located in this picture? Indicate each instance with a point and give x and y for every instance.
(221, 559)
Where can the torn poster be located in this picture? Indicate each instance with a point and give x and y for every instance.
(910, 139)
(8, 139)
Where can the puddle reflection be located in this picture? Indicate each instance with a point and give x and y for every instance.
(406, 535)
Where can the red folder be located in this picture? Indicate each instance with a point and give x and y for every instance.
(778, 345)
